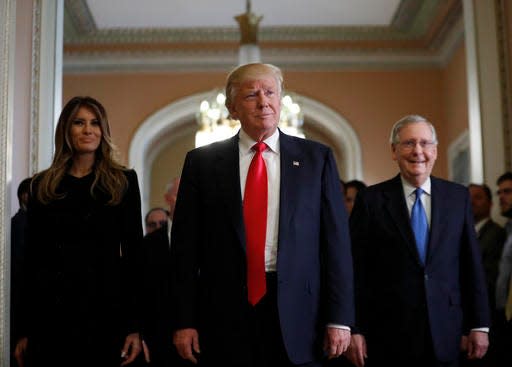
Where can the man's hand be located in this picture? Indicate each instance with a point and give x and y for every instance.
(356, 352)
(187, 343)
(477, 344)
(336, 341)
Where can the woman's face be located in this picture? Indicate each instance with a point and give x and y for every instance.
(85, 132)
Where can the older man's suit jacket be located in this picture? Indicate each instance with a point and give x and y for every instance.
(400, 302)
(314, 263)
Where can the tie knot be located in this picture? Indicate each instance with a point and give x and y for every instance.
(259, 147)
(419, 192)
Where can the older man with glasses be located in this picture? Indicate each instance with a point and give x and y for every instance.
(418, 270)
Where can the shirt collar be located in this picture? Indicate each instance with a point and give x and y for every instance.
(409, 189)
(480, 224)
(246, 142)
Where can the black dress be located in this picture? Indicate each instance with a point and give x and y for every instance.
(82, 288)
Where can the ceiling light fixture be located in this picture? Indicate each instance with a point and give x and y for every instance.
(213, 117)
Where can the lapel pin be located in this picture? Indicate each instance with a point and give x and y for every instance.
(296, 163)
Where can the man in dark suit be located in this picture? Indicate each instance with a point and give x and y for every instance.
(503, 323)
(297, 297)
(157, 335)
(491, 237)
(419, 280)
(490, 234)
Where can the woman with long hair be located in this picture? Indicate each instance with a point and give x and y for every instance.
(81, 289)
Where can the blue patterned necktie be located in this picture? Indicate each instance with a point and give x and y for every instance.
(419, 225)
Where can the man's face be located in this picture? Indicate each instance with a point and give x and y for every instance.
(505, 196)
(257, 105)
(415, 152)
(480, 203)
(156, 220)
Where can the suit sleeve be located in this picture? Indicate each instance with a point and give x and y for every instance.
(338, 259)
(474, 289)
(131, 249)
(360, 232)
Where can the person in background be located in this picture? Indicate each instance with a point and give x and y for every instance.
(18, 254)
(351, 189)
(171, 194)
(157, 344)
(491, 237)
(81, 293)
(503, 324)
(155, 219)
(490, 234)
(261, 260)
(419, 278)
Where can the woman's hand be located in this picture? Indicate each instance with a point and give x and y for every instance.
(19, 351)
(132, 348)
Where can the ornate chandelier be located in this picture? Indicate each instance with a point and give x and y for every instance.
(215, 123)
(213, 116)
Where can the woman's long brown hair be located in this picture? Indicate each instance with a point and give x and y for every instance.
(109, 175)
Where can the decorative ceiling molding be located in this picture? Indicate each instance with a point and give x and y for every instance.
(290, 59)
(405, 14)
(78, 17)
(411, 22)
(417, 37)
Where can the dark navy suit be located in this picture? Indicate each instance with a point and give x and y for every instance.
(409, 312)
(314, 263)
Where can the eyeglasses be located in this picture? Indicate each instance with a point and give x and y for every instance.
(158, 224)
(411, 144)
(506, 191)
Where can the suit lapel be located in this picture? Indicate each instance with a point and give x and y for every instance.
(439, 210)
(397, 208)
(227, 171)
(290, 162)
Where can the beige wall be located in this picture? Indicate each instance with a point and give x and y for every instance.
(454, 91)
(370, 101)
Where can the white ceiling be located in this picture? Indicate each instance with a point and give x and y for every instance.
(219, 13)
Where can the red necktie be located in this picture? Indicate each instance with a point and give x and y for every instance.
(255, 219)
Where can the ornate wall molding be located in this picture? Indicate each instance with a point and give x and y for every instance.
(287, 58)
(35, 87)
(7, 47)
(46, 93)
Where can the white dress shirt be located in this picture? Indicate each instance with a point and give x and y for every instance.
(272, 160)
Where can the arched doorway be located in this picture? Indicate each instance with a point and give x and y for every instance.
(173, 122)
